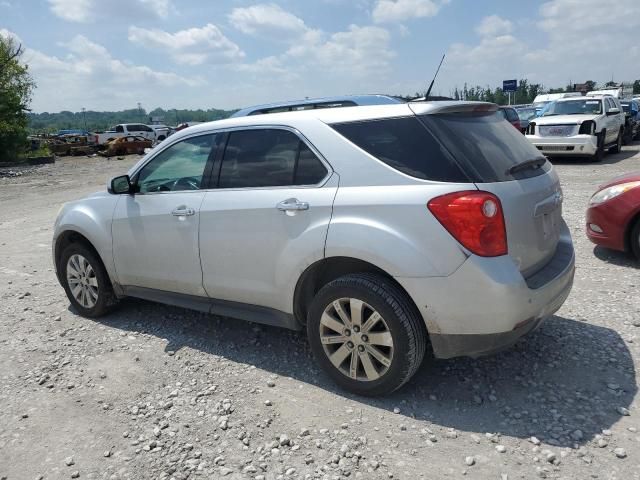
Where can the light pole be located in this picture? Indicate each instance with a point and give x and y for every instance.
(140, 111)
(84, 118)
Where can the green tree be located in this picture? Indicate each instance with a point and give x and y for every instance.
(636, 87)
(16, 87)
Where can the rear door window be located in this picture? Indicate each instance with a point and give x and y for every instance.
(484, 145)
(405, 145)
(268, 158)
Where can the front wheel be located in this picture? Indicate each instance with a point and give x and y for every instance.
(618, 146)
(86, 281)
(366, 334)
(599, 155)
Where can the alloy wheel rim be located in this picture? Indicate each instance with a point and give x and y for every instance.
(356, 339)
(82, 281)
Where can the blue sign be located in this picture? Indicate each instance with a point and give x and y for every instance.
(509, 85)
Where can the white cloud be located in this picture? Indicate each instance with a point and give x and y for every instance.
(555, 53)
(90, 76)
(266, 19)
(493, 26)
(193, 46)
(88, 11)
(358, 50)
(388, 11)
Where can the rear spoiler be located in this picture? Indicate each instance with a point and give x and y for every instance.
(434, 108)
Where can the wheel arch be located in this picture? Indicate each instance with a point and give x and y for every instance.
(66, 238)
(634, 219)
(323, 271)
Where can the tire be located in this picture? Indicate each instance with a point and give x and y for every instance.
(400, 331)
(618, 146)
(599, 155)
(72, 260)
(634, 240)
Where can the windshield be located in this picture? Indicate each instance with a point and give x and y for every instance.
(541, 104)
(526, 113)
(575, 107)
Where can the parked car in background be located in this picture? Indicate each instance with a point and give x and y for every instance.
(125, 146)
(579, 127)
(614, 92)
(162, 131)
(632, 120)
(125, 129)
(526, 114)
(544, 99)
(613, 216)
(510, 115)
(364, 226)
(183, 125)
(72, 131)
(71, 145)
(315, 103)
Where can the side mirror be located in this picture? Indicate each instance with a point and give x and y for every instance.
(120, 185)
(613, 111)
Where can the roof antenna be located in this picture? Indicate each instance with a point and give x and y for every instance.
(426, 96)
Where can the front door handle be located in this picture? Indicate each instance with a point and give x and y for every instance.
(292, 204)
(183, 211)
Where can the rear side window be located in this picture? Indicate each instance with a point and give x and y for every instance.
(405, 145)
(512, 116)
(268, 158)
(484, 145)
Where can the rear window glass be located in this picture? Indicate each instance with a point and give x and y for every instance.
(404, 144)
(484, 145)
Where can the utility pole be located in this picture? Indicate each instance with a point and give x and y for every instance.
(84, 118)
(140, 111)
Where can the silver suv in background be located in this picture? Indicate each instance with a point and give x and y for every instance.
(383, 231)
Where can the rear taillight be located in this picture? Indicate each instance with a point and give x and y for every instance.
(475, 219)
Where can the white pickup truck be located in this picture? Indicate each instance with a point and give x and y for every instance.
(124, 129)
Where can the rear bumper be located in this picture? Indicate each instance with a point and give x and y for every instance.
(487, 304)
(449, 346)
(576, 145)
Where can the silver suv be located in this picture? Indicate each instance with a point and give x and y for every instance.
(383, 231)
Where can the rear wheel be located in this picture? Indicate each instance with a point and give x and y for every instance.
(85, 281)
(618, 146)
(366, 334)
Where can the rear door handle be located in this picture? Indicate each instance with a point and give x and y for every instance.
(292, 204)
(183, 212)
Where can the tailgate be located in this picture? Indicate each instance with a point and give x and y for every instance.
(533, 218)
(487, 148)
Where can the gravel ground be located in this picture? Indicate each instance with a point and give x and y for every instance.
(156, 392)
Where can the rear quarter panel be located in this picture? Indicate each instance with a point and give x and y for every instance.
(392, 228)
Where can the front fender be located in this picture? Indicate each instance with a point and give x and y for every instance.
(91, 218)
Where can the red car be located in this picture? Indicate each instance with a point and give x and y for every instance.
(510, 116)
(613, 217)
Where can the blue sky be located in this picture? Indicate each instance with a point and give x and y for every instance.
(109, 55)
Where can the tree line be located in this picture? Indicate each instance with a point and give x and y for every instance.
(526, 91)
(96, 121)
